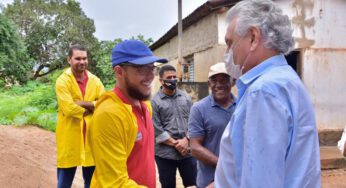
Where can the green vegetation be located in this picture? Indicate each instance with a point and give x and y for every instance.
(34, 38)
(32, 104)
(14, 63)
(48, 28)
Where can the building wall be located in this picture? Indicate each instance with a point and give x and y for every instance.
(204, 59)
(324, 76)
(319, 30)
(222, 27)
(199, 41)
(197, 37)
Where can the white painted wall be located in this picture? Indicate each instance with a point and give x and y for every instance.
(320, 31)
(325, 78)
(222, 27)
(317, 23)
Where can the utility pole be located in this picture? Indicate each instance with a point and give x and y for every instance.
(180, 37)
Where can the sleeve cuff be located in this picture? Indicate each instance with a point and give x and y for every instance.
(162, 137)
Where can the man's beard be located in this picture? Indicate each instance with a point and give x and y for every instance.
(134, 92)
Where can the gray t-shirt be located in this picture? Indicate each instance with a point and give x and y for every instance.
(208, 120)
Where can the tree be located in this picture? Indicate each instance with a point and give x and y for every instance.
(1, 7)
(103, 58)
(14, 64)
(48, 28)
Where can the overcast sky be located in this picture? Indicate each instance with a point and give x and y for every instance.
(126, 18)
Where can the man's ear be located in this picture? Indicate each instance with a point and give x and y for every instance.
(68, 60)
(209, 84)
(119, 71)
(255, 37)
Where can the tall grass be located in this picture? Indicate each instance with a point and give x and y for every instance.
(31, 104)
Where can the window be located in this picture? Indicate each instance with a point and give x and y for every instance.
(188, 70)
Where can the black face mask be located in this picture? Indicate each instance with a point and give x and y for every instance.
(170, 84)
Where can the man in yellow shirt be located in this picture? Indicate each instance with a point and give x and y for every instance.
(77, 91)
(122, 133)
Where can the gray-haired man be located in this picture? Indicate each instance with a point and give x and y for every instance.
(271, 140)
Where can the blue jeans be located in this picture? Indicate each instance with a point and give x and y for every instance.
(168, 168)
(66, 175)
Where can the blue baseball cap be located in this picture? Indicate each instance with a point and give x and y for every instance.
(134, 51)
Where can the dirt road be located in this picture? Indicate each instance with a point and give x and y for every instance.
(28, 160)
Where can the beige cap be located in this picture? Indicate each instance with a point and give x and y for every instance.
(218, 68)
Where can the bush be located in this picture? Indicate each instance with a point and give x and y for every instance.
(43, 98)
(33, 104)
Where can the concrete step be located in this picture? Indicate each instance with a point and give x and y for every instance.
(329, 137)
(331, 158)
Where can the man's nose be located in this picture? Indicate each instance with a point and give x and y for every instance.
(219, 84)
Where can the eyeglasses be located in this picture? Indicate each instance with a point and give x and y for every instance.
(141, 69)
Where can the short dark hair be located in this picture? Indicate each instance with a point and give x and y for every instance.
(165, 68)
(75, 47)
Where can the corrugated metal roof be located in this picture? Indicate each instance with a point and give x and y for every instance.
(195, 16)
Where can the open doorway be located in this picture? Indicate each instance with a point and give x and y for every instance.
(294, 60)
